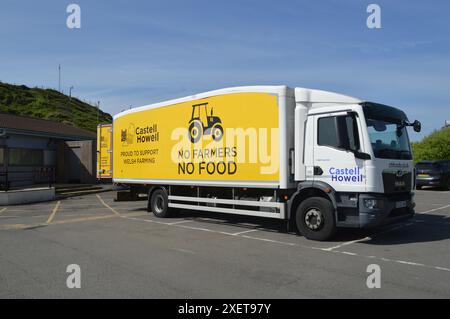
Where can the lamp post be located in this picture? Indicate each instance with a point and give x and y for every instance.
(59, 78)
(70, 92)
(98, 112)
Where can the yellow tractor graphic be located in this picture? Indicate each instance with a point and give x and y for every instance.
(203, 122)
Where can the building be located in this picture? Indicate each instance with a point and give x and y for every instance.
(35, 151)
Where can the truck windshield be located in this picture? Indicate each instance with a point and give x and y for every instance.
(387, 132)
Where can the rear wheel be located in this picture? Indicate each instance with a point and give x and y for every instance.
(159, 203)
(195, 131)
(315, 218)
(418, 187)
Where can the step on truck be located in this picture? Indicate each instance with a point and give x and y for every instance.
(318, 160)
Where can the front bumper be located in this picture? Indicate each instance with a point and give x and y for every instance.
(390, 209)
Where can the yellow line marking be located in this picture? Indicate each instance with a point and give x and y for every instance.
(68, 221)
(52, 215)
(2, 210)
(107, 206)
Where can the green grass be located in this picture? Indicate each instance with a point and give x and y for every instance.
(50, 105)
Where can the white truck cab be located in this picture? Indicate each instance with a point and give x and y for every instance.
(358, 153)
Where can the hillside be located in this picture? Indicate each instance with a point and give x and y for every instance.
(50, 105)
(435, 146)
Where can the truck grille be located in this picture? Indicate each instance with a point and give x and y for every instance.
(397, 182)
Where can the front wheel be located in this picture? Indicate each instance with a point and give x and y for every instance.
(315, 219)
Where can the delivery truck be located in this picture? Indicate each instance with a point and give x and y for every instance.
(316, 159)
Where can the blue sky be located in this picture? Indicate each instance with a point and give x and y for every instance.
(132, 53)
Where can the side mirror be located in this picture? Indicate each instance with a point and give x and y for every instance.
(417, 126)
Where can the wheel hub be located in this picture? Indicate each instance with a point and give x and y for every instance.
(159, 204)
(313, 219)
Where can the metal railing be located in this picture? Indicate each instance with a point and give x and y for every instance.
(38, 176)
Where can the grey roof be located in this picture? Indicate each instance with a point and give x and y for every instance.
(33, 126)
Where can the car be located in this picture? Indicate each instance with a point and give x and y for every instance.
(433, 173)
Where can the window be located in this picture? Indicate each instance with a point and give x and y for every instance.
(327, 132)
(387, 132)
(25, 157)
(338, 131)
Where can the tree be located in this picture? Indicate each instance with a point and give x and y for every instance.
(435, 146)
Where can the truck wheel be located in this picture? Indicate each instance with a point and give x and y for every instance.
(217, 132)
(159, 204)
(315, 219)
(195, 131)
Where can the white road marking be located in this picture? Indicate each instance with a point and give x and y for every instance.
(382, 232)
(204, 229)
(346, 244)
(185, 251)
(432, 210)
(180, 222)
(330, 250)
(245, 232)
(348, 253)
(2, 210)
(145, 220)
(273, 241)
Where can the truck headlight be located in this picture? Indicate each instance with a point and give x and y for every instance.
(372, 203)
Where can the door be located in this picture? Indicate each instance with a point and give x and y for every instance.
(74, 159)
(336, 140)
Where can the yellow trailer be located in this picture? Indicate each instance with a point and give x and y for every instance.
(104, 151)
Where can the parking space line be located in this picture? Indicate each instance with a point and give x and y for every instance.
(273, 241)
(432, 210)
(245, 232)
(62, 222)
(328, 250)
(346, 244)
(106, 205)
(2, 210)
(403, 262)
(383, 232)
(146, 220)
(180, 222)
(204, 229)
(52, 215)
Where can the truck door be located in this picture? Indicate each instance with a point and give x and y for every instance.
(336, 142)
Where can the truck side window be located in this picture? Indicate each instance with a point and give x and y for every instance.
(327, 132)
(339, 132)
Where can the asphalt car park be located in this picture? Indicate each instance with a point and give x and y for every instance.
(124, 252)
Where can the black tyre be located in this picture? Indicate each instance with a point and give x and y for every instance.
(217, 132)
(418, 187)
(315, 219)
(195, 131)
(158, 203)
